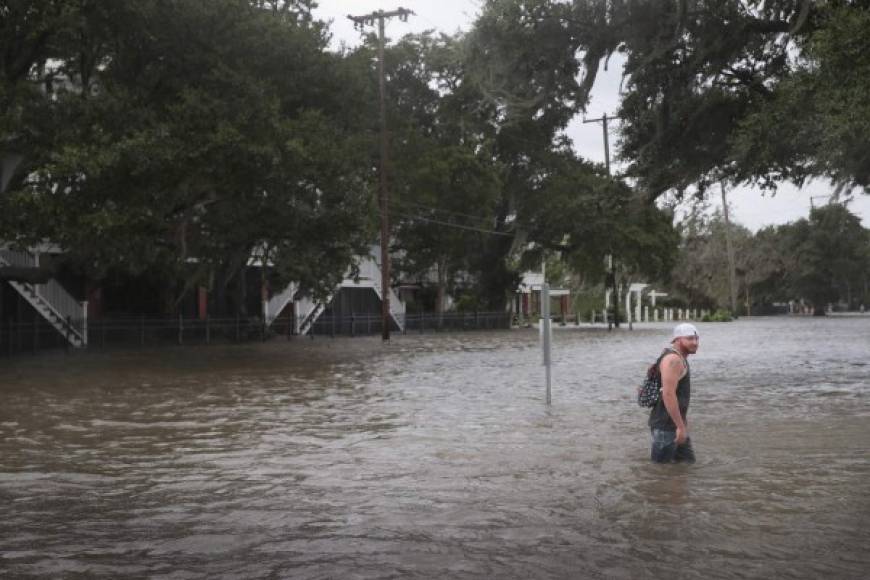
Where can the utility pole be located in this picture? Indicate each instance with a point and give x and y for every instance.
(383, 193)
(603, 120)
(729, 248)
(611, 276)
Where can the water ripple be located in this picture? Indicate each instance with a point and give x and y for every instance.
(434, 457)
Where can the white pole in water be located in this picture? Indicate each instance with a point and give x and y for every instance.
(546, 336)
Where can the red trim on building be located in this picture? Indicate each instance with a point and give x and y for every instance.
(202, 302)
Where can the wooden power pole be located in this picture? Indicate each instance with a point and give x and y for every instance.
(729, 249)
(603, 120)
(611, 275)
(383, 192)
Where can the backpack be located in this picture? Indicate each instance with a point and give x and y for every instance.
(650, 389)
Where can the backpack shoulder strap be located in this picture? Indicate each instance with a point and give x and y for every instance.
(670, 350)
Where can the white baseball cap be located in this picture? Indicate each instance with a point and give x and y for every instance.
(684, 330)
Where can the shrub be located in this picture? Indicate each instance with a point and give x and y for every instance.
(720, 315)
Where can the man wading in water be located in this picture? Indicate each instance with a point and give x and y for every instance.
(667, 420)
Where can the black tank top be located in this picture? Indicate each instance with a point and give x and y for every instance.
(659, 417)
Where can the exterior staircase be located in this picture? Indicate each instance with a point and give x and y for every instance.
(278, 302)
(66, 314)
(310, 311)
(369, 277)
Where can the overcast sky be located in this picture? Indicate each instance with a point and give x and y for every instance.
(749, 206)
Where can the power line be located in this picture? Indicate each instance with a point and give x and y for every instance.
(453, 225)
(436, 209)
(429, 20)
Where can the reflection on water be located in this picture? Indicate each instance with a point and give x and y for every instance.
(434, 457)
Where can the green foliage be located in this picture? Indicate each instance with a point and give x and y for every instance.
(830, 250)
(752, 91)
(188, 133)
(821, 260)
(749, 91)
(445, 189)
(585, 300)
(743, 91)
(521, 58)
(577, 210)
(172, 140)
(720, 315)
(700, 275)
(817, 120)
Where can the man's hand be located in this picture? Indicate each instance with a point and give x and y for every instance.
(682, 435)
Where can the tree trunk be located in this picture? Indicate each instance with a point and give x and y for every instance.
(864, 297)
(242, 292)
(228, 271)
(729, 249)
(168, 304)
(442, 290)
(264, 287)
(220, 291)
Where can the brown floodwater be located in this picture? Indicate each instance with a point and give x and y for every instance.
(435, 457)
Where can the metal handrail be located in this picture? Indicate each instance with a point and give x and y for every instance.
(370, 269)
(277, 302)
(312, 316)
(64, 305)
(55, 296)
(18, 258)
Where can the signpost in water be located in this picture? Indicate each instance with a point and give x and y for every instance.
(546, 332)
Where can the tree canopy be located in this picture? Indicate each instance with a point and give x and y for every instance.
(503, 179)
(162, 133)
(752, 91)
(176, 139)
(820, 260)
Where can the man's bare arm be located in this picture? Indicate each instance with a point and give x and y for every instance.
(672, 371)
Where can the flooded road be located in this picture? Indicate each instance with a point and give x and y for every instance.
(435, 457)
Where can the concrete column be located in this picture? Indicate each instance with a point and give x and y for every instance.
(637, 308)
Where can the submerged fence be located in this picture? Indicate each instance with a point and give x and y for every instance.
(32, 335)
(419, 322)
(38, 334)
